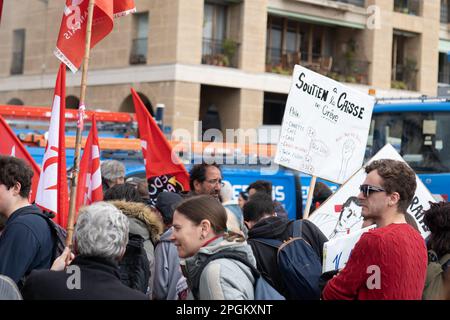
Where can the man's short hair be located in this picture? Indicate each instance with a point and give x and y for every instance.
(125, 192)
(261, 186)
(198, 173)
(397, 177)
(14, 170)
(112, 169)
(101, 231)
(258, 205)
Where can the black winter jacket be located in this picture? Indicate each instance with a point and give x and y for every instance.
(281, 229)
(98, 280)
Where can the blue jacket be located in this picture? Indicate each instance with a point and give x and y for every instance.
(25, 244)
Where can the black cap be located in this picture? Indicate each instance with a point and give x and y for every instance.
(166, 202)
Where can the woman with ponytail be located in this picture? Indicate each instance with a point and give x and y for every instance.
(437, 283)
(200, 233)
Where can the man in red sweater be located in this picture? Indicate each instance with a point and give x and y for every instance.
(388, 262)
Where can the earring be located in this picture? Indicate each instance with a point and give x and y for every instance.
(202, 237)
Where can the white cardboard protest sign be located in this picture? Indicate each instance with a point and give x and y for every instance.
(339, 215)
(325, 127)
(336, 252)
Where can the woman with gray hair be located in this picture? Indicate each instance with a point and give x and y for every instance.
(113, 172)
(100, 239)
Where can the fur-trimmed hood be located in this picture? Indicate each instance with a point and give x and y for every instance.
(144, 216)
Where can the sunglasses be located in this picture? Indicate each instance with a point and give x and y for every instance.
(367, 189)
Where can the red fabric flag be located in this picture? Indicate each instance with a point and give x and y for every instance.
(10, 145)
(52, 193)
(89, 188)
(72, 33)
(164, 170)
(1, 9)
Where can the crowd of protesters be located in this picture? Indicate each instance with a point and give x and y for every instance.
(205, 245)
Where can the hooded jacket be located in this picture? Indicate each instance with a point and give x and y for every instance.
(169, 281)
(25, 244)
(222, 279)
(145, 223)
(280, 229)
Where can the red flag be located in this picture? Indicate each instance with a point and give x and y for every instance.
(164, 174)
(11, 146)
(72, 33)
(1, 9)
(52, 193)
(89, 188)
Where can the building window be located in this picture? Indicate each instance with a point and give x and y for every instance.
(445, 11)
(18, 51)
(411, 7)
(274, 105)
(140, 40)
(404, 60)
(444, 68)
(217, 49)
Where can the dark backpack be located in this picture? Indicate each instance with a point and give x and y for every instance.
(135, 266)
(263, 290)
(59, 236)
(298, 264)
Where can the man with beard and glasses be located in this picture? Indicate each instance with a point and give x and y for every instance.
(390, 261)
(206, 179)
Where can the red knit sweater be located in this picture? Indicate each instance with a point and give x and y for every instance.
(401, 255)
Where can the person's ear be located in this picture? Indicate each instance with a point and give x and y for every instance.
(197, 185)
(394, 198)
(205, 227)
(16, 188)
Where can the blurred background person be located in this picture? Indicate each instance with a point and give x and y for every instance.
(113, 172)
(437, 283)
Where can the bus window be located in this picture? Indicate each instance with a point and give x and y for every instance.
(422, 138)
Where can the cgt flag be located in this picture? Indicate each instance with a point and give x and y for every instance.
(52, 192)
(11, 146)
(72, 33)
(164, 171)
(90, 179)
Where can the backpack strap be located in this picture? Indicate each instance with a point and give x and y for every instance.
(195, 283)
(297, 226)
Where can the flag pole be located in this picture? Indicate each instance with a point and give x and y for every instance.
(76, 159)
(310, 197)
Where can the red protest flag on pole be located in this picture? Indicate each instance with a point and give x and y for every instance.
(71, 44)
(164, 170)
(89, 188)
(10, 145)
(52, 193)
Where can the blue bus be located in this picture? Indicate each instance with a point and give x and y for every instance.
(420, 132)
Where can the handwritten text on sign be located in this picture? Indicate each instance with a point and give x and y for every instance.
(325, 127)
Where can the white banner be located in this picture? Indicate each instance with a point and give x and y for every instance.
(340, 215)
(325, 127)
(336, 252)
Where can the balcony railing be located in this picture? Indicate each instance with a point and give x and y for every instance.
(17, 63)
(411, 7)
(223, 53)
(359, 3)
(139, 51)
(343, 70)
(404, 77)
